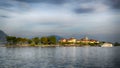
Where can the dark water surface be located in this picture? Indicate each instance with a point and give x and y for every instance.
(60, 57)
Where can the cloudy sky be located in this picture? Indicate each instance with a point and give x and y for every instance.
(98, 19)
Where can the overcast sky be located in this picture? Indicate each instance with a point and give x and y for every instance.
(28, 18)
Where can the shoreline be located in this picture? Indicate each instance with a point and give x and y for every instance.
(52, 45)
(45, 46)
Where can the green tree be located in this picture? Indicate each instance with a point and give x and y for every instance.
(30, 41)
(44, 40)
(36, 40)
(24, 40)
(11, 39)
(116, 44)
(52, 40)
(19, 40)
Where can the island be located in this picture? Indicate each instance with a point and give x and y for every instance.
(52, 41)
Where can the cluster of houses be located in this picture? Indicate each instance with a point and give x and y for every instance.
(84, 40)
(74, 40)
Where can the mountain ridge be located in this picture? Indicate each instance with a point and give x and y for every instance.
(2, 36)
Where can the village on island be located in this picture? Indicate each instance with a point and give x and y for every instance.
(84, 42)
(51, 41)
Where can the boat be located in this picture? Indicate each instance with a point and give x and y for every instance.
(107, 45)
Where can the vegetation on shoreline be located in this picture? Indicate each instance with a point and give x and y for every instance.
(116, 44)
(36, 41)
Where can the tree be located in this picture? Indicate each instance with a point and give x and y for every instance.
(24, 40)
(36, 40)
(116, 44)
(44, 40)
(52, 40)
(11, 39)
(30, 41)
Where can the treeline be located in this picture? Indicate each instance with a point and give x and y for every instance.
(116, 44)
(36, 41)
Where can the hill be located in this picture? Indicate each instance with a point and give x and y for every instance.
(2, 36)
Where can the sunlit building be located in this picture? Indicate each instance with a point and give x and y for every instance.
(71, 40)
(87, 40)
(83, 40)
(63, 40)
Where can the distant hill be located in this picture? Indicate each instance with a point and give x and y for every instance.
(2, 36)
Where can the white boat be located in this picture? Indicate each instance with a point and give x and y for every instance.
(107, 45)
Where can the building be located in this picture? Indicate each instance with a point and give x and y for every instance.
(83, 40)
(71, 40)
(87, 40)
(78, 41)
(93, 41)
(63, 40)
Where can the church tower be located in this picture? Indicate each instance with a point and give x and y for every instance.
(86, 38)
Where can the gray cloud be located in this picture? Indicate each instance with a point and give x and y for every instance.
(43, 1)
(74, 5)
(84, 10)
(115, 4)
(54, 1)
(112, 3)
(4, 4)
(4, 16)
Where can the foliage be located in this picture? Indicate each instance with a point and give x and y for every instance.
(44, 40)
(11, 39)
(32, 44)
(116, 44)
(36, 40)
(30, 41)
(52, 40)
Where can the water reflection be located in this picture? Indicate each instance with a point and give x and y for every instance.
(60, 57)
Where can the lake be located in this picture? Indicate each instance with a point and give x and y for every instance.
(60, 57)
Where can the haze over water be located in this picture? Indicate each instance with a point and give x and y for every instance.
(60, 57)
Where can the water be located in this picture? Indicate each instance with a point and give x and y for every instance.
(60, 57)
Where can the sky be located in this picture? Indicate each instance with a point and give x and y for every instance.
(98, 19)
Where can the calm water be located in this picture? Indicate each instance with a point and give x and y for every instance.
(60, 57)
